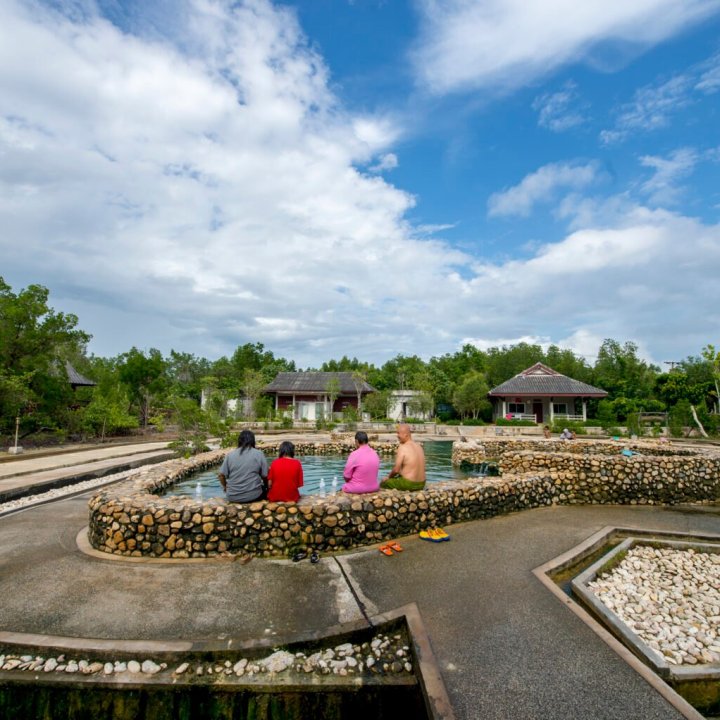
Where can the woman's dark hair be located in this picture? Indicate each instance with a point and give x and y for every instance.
(246, 439)
(362, 437)
(286, 449)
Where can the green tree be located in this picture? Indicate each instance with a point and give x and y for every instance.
(109, 412)
(359, 380)
(253, 383)
(185, 373)
(35, 341)
(194, 425)
(376, 404)
(332, 389)
(145, 378)
(567, 363)
(712, 357)
(507, 361)
(470, 397)
(420, 404)
(620, 371)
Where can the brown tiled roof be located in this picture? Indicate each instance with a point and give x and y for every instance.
(314, 382)
(540, 380)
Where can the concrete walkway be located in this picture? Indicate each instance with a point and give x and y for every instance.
(27, 475)
(506, 647)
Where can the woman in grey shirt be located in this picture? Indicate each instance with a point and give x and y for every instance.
(244, 470)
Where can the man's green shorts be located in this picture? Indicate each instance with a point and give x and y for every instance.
(401, 483)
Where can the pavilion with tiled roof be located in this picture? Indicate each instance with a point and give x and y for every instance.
(543, 395)
(306, 393)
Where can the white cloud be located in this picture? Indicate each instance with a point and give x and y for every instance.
(651, 108)
(486, 344)
(559, 111)
(388, 161)
(469, 44)
(203, 184)
(540, 186)
(662, 187)
(654, 106)
(629, 280)
(709, 80)
(200, 190)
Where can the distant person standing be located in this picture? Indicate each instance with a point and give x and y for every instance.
(362, 466)
(408, 472)
(244, 470)
(285, 476)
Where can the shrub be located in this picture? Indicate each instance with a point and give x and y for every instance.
(350, 417)
(516, 423)
(577, 426)
(679, 418)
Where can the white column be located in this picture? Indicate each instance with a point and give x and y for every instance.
(552, 414)
(584, 410)
(504, 411)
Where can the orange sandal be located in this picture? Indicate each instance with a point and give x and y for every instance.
(394, 546)
(385, 550)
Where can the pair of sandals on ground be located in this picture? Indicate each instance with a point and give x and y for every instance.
(431, 535)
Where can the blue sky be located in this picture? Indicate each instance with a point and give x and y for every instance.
(366, 178)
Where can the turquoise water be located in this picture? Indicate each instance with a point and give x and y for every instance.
(324, 472)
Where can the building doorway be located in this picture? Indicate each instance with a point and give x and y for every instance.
(538, 411)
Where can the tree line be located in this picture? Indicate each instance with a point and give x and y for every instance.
(141, 388)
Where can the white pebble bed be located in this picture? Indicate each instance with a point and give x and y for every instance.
(58, 493)
(382, 655)
(668, 597)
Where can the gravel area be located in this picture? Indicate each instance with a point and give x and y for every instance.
(57, 493)
(383, 655)
(668, 597)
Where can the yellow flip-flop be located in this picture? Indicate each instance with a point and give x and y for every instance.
(440, 534)
(427, 535)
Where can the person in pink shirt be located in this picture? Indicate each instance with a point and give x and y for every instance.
(361, 469)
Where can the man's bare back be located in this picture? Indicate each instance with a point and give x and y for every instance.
(409, 461)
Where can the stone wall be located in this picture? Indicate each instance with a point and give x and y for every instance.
(128, 519)
(477, 451)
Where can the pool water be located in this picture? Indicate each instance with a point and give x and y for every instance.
(323, 473)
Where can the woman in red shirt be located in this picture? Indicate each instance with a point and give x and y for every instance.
(285, 476)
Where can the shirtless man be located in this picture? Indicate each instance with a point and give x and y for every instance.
(408, 472)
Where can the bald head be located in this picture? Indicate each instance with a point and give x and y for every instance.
(403, 432)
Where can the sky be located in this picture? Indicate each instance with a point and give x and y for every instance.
(365, 178)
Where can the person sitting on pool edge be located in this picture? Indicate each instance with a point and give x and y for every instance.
(244, 471)
(362, 466)
(408, 472)
(285, 476)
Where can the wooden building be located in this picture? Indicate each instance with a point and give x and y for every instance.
(308, 394)
(543, 395)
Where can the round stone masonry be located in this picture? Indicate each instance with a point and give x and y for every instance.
(132, 519)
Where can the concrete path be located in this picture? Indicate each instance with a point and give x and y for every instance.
(27, 475)
(506, 647)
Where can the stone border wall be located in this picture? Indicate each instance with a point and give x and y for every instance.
(479, 450)
(128, 519)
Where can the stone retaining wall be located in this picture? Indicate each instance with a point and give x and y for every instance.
(128, 519)
(477, 451)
